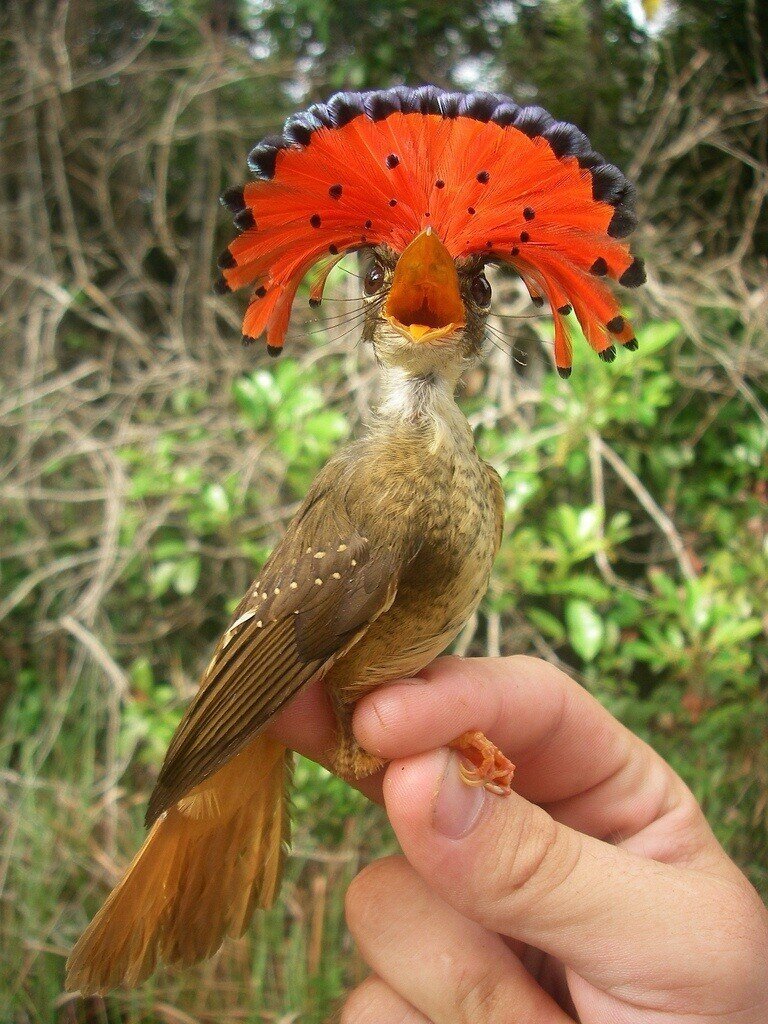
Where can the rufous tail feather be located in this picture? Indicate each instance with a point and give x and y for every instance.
(204, 867)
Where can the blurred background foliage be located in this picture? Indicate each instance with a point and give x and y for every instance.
(149, 463)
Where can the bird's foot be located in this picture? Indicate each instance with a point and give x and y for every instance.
(351, 762)
(484, 764)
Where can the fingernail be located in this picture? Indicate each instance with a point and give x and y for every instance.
(457, 805)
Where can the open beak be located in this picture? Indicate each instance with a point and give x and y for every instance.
(424, 303)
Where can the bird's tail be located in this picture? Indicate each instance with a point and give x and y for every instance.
(206, 864)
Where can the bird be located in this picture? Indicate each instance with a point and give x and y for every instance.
(391, 551)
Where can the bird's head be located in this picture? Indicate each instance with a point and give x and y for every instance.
(424, 310)
(430, 187)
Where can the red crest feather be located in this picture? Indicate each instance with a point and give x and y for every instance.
(489, 177)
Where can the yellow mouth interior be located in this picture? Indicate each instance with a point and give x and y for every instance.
(425, 299)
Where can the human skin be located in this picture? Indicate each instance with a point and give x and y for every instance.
(595, 893)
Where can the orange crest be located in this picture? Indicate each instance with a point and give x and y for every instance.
(489, 177)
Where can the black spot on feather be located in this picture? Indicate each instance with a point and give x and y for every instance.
(426, 99)
(300, 127)
(448, 104)
(226, 260)
(631, 345)
(274, 350)
(623, 223)
(589, 161)
(245, 220)
(609, 185)
(379, 105)
(506, 113)
(335, 191)
(616, 326)
(263, 157)
(480, 106)
(322, 114)
(533, 121)
(599, 268)
(221, 287)
(233, 199)
(247, 340)
(565, 371)
(608, 354)
(565, 310)
(392, 161)
(483, 177)
(566, 139)
(529, 213)
(260, 292)
(344, 107)
(634, 275)
(315, 220)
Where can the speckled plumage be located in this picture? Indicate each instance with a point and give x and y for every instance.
(392, 549)
(394, 541)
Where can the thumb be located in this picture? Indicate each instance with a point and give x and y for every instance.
(610, 915)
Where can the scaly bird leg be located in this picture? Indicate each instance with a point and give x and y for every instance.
(484, 763)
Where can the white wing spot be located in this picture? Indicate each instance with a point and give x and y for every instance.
(337, 575)
(259, 623)
(234, 628)
(319, 582)
(353, 562)
(243, 618)
(319, 554)
(277, 590)
(294, 585)
(342, 547)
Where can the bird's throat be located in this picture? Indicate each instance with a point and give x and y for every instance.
(424, 404)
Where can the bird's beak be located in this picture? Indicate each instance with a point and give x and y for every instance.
(424, 303)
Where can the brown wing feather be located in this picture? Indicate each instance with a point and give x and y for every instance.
(315, 598)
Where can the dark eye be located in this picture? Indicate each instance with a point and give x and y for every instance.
(480, 290)
(374, 279)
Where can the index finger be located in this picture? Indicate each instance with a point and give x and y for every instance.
(307, 725)
(573, 757)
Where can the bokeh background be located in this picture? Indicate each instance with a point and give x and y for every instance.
(148, 462)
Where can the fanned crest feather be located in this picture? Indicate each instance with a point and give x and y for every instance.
(490, 177)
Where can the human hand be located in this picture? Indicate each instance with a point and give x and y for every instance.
(595, 893)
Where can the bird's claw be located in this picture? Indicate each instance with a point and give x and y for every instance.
(484, 764)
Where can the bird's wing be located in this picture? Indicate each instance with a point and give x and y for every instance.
(316, 596)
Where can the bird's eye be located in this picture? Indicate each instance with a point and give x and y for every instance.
(480, 290)
(374, 279)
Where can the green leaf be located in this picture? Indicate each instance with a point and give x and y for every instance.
(546, 623)
(216, 499)
(657, 335)
(186, 576)
(161, 578)
(585, 629)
